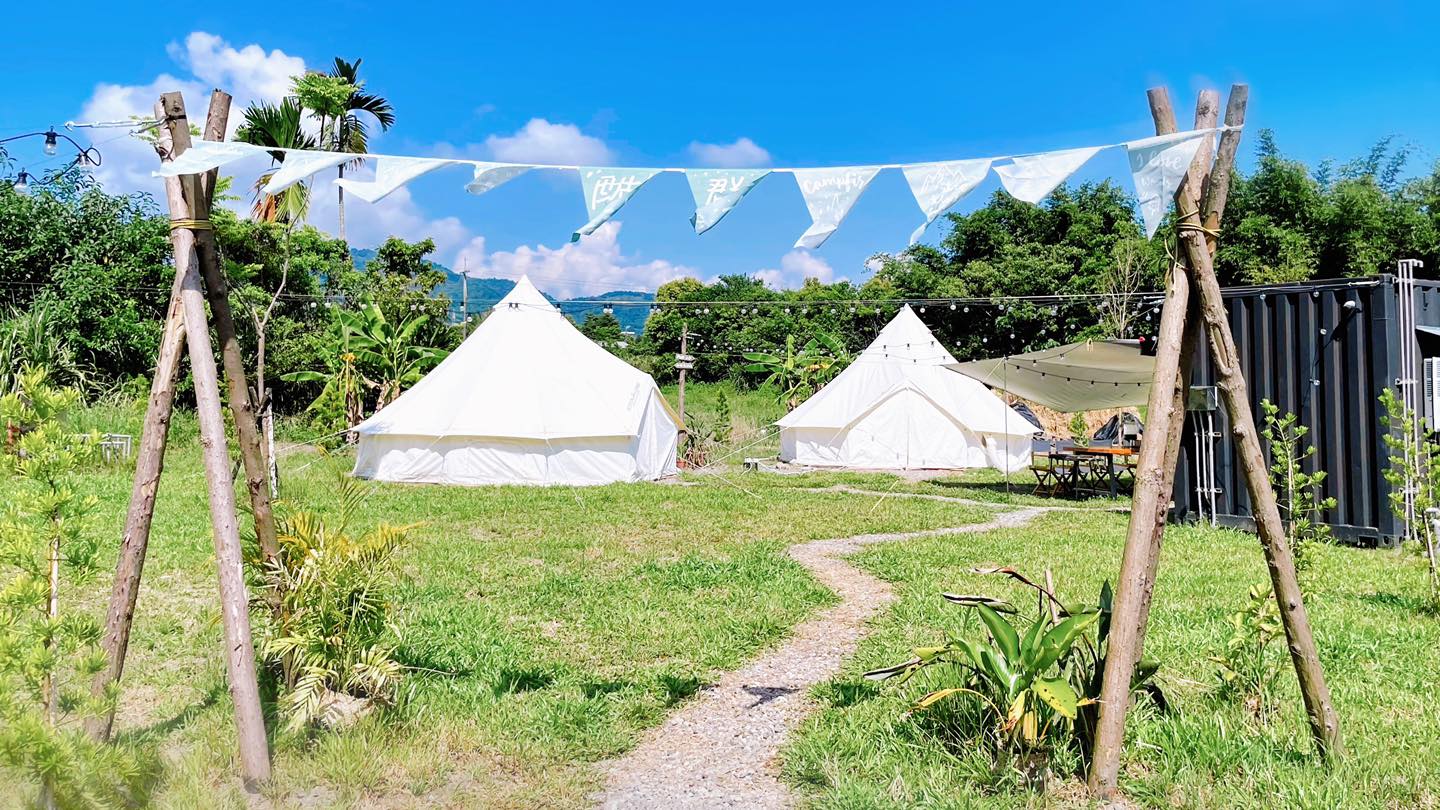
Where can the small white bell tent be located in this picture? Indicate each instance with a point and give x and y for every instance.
(526, 399)
(897, 407)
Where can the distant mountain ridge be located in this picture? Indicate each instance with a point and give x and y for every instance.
(485, 292)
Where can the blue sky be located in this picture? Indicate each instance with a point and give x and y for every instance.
(671, 84)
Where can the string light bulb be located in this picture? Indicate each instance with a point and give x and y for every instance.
(952, 308)
(22, 183)
(52, 143)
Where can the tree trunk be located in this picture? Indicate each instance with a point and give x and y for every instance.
(182, 194)
(340, 207)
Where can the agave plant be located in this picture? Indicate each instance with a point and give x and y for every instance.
(1036, 681)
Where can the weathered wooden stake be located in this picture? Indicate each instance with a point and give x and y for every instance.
(1154, 481)
(184, 198)
(1324, 722)
(149, 465)
(217, 289)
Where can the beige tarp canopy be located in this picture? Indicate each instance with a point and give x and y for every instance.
(1086, 376)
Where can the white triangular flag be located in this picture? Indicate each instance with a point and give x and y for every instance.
(202, 156)
(390, 173)
(300, 166)
(716, 191)
(493, 175)
(830, 194)
(1033, 177)
(605, 191)
(938, 186)
(1158, 165)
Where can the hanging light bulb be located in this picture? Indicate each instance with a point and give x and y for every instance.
(52, 143)
(22, 183)
(922, 310)
(952, 308)
(967, 307)
(609, 310)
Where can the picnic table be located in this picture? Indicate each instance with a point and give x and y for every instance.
(1072, 470)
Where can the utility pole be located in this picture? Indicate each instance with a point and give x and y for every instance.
(683, 363)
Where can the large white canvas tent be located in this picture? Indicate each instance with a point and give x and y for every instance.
(526, 399)
(897, 407)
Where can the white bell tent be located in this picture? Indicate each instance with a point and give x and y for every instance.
(897, 407)
(526, 399)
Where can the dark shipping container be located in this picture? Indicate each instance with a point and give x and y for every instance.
(1324, 351)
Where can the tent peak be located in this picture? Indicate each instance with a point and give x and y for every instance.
(525, 295)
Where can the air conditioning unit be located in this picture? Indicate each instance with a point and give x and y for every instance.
(1430, 407)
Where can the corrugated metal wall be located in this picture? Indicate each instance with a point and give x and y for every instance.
(1302, 349)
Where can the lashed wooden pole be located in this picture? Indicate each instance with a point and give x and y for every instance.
(1315, 692)
(1207, 107)
(1150, 504)
(149, 465)
(234, 607)
(217, 289)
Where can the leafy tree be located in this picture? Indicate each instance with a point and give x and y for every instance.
(100, 264)
(1298, 492)
(603, 328)
(279, 126)
(350, 131)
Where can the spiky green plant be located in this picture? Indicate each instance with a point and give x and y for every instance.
(324, 618)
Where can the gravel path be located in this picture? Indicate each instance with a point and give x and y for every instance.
(720, 750)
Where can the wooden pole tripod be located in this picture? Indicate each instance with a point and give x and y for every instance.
(1193, 302)
(189, 199)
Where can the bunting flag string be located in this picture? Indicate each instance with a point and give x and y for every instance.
(492, 175)
(1031, 178)
(390, 173)
(298, 167)
(1157, 166)
(830, 194)
(716, 191)
(605, 191)
(937, 186)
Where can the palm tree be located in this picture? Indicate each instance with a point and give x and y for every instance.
(349, 127)
(277, 127)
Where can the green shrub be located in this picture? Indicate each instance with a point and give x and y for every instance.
(1031, 687)
(47, 657)
(1248, 665)
(324, 610)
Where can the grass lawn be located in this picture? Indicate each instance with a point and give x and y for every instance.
(1381, 652)
(552, 626)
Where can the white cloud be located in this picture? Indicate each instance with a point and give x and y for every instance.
(795, 267)
(249, 73)
(367, 224)
(540, 141)
(743, 152)
(591, 266)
